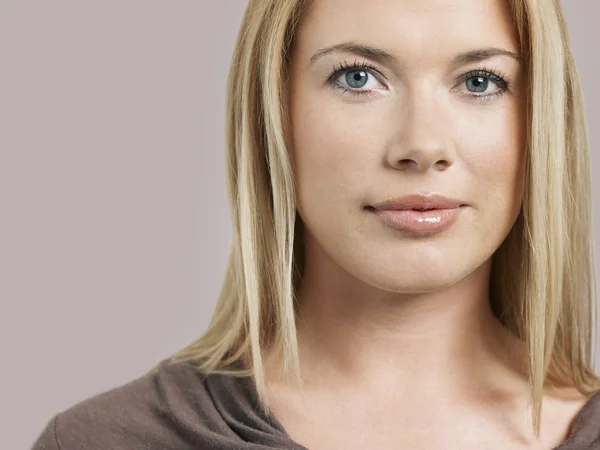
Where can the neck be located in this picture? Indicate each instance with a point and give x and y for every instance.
(359, 336)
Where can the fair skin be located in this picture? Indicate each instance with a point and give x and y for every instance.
(399, 347)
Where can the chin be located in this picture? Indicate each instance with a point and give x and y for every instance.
(418, 283)
(413, 275)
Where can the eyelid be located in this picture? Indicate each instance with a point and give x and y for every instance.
(356, 65)
(493, 74)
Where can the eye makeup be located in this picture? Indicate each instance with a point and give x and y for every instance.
(482, 77)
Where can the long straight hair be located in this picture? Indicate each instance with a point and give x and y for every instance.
(542, 284)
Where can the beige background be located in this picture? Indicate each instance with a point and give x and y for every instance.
(114, 219)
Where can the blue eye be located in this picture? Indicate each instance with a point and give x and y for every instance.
(353, 78)
(357, 78)
(478, 82)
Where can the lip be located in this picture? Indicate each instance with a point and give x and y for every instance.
(418, 201)
(403, 215)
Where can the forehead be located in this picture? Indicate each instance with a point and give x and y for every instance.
(411, 29)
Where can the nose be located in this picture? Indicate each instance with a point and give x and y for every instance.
(422, 139)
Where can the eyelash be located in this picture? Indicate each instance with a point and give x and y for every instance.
(494, 75)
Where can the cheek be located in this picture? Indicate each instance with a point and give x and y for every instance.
(494, 157)
(332, 148)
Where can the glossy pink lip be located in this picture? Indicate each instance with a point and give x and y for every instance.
(419, 214)
(418, 202)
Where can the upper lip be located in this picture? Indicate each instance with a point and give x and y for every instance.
(418, 201)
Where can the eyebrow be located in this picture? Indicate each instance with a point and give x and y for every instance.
(383, 56)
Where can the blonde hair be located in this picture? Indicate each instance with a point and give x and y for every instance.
(542, 285)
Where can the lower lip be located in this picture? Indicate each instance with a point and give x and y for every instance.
(420, 223)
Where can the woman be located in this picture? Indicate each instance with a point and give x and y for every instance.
(412, 256)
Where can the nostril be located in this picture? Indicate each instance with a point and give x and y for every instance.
(407, 162)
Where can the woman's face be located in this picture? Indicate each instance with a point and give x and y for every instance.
(419, 102)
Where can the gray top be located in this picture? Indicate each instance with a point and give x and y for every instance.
(176, 408)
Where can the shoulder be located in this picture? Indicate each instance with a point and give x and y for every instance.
(583, 414)
(155, 410)
(588, 417)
